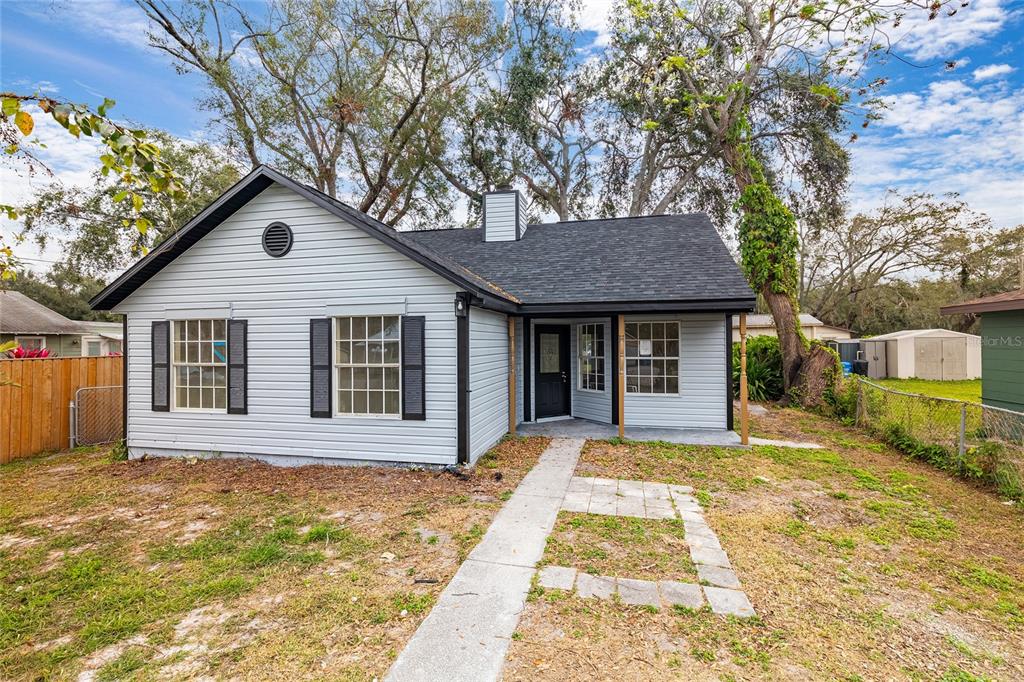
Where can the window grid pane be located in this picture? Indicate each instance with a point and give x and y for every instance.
(199, 359)
(367, 365)
(590, 349)
(652, 357)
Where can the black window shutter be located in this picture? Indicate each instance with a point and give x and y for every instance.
(238, 361)
(414, 400)
(161, 359)
(320, 367)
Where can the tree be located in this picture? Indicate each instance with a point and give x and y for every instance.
(532, 119)
(63, 289)
(736, 58)
(843, 266)
(92, 223)
(129, 155)
(349, 96)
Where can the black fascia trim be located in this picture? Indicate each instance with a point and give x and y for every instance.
(735, 305)
(124, 378)
(462, 380)
(527, 352)
(237, 196)
(728, 372)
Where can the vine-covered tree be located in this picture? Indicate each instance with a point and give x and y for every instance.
(733, 61)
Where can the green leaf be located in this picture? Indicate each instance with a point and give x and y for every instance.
(142, 225)
(107, 104)
(11, 105)
(136, 203)
(120, 196)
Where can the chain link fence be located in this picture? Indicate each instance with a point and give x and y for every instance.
(969, 439)
(97, 415)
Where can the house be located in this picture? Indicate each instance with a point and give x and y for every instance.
(34, 326)
(1002, 346)
(812, 327)
(282, 324)
(101, 338)
(940, 354)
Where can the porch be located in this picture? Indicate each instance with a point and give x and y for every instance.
(575, 427)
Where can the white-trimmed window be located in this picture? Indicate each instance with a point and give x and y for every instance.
(590, 344)
(200, 360)
(367, 365)
(31, 342)
(652, 357)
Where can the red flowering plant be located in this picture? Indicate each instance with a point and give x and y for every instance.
(20, 353)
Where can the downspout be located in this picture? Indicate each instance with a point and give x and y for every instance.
(462, 300)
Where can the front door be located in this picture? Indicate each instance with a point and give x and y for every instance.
(552, 377)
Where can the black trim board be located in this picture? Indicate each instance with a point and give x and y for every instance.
(728, 372)
(527, 383)
(124, 378)
(245, 190)
(591, 309)
(462, 380)
(614, 369)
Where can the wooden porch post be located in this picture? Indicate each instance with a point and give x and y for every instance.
(621, 353)
(744, 427)
(512, 375)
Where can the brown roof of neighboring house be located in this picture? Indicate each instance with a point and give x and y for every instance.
(19, 314)
(1008, 300)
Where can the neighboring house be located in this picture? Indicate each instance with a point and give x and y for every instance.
(32, 325)
(283, 324)
(1002, 346)
(813, 328)
(102, 338)
(923, 354)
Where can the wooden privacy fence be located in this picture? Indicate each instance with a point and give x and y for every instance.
(35, 397)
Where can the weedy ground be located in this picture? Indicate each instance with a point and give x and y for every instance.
(232, 569)
(861, 564)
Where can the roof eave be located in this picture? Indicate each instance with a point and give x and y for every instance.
(982, 307)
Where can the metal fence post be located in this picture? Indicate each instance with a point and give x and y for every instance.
(72, 422)
(963, 429)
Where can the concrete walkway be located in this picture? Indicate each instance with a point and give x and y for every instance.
(467, 633)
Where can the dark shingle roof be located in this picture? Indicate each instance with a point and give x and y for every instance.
(19, 314)
(649, 258)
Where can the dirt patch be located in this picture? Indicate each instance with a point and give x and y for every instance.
(231, 568)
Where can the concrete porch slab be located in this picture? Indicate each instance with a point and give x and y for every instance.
(584, 428)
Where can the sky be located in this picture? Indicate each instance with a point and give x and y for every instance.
(945, 130)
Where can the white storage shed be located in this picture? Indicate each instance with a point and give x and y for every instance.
(923, 354)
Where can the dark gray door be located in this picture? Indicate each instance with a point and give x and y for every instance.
(553, 368)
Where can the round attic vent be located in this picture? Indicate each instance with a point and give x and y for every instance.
(277, 239)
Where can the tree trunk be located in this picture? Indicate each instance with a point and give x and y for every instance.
(805, 368)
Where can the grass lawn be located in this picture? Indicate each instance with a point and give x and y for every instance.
(861, 564)
(969, 390)
(229, 569)
(620, 546)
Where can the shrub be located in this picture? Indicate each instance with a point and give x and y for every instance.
(764, 368)
(20, 353)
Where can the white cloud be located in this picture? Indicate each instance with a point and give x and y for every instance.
(594, 15)
(950, 137)
(118, 20)
(943, 36)
(992, 71)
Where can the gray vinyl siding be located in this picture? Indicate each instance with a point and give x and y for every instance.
(702, 385)
(333, 269)
(500, 216)
(593, 405)
(488, 380)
